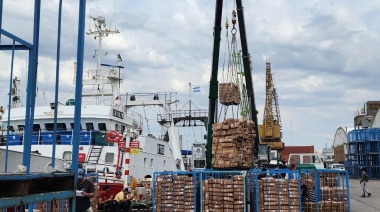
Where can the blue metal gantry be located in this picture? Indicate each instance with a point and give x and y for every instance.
(363, 150)
(30, 188)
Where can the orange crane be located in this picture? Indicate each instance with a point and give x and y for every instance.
(270, 131)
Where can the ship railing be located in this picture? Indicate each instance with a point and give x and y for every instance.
(116, 72)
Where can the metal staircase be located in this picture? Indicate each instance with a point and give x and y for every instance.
(93, 157)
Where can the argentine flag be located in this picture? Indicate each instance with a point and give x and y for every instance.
(196, 89)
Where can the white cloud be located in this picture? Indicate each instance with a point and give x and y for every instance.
(324, 54)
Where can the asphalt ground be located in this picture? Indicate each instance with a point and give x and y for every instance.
(364, 204)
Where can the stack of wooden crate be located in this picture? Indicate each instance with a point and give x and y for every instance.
(175, 193)
(229, 93)
(232, 143)
(224, 195)
(278, 195)
(333, 197)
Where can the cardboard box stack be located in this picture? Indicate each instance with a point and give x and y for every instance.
(332, 197)
(232, 144)
(278, 195)
(229, 93)
(223, 195)
(175, 193)
(56, 206)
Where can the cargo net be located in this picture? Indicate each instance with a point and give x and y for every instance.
(175, 192)
(329, 188)
(232, 89)
(226, 194)
(232, 144)
(269, 191)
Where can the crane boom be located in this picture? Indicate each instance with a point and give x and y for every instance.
(270, 130)
(213, 93)
(248, 73)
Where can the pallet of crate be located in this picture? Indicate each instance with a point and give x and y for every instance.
(229, 93)
(174, 193)
(223, 195)
(278, 195)
(332, 198)
(232, 143)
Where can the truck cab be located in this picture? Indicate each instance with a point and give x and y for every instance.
(309, 160)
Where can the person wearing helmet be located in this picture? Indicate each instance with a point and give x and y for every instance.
(364, 182)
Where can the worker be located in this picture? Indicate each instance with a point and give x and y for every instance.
(308, 195)
(292, 174)
(106, 200)
(364, 182)
(123, 199)
(85, 191)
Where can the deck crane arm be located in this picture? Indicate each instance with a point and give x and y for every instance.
(213, 93)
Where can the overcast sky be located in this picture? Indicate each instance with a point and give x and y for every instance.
(324, 54)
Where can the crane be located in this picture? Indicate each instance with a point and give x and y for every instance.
(213, 93)
(270, 131)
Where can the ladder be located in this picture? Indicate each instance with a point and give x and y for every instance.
(94, 155)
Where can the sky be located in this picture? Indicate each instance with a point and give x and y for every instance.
(324, 54)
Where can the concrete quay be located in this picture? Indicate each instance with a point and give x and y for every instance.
(365, 204)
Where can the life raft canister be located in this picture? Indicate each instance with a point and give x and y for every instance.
(113, 136)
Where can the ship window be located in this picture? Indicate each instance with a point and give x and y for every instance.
(72, 126)
(102, 126)
(164, 165)
(117, 127)
(36, 127)
(21, 127)
(160, 149)
(66, 155)
(89, 126)
(295, 159)
(144, 162)
(11, 128)
(151, 163)
(109, 157)
(50, 126)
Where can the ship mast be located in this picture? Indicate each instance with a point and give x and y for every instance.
(104, 73)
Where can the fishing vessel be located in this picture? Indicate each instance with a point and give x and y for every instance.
(112, 140)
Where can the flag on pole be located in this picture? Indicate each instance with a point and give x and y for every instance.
(196, 89)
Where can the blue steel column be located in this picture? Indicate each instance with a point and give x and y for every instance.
(57, 81)
(78, 91)
(1, 18)
(9, 107)
(32, 81)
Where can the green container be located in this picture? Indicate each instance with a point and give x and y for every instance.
(70, 102)
(100, 139)
(304, 166)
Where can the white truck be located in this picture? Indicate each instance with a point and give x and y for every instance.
(306, 159)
